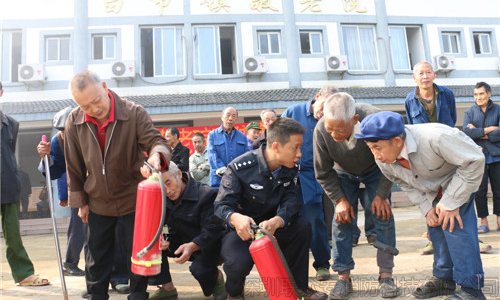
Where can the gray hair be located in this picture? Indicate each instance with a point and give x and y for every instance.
(422, 63)
(267, 110)
(82, 79)
(340, 106)
(173, 169)
(328, 90)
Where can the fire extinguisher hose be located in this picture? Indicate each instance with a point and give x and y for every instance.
(281, 255)
(163, 207)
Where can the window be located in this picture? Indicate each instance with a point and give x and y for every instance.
(269, 42)
(359, 45)
(451, 42)
(10, 55)
(311, 42)
(482, 42)
(162, 51)
(103, 47)
(214, 50)
(406, 47)
(57, 48)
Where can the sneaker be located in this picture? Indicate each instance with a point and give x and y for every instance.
(72, 271)
(371, 239)
(355, 241)
(219, 292)
(463, 295)
(322, 274)
(388, 288)
(483, 248)
(427, 250)
(162, 294)
(341, 290)
(310, 294)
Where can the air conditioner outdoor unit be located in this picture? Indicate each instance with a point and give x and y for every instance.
(31, 72)
(445, 62)
(336, 63)
(123, 69)
(254, 65)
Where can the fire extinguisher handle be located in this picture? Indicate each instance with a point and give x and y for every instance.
(153, 170)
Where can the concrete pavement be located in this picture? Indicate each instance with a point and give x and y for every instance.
(411, 268)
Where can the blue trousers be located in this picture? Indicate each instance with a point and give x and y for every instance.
(76, 239)
(456, 254)
(343, 233)
(312, 210)
(369, 217)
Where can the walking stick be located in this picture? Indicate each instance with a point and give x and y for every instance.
(54, 227)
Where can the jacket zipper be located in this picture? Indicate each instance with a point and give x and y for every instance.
(105, 151)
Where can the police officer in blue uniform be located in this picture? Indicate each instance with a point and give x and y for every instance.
(259, 187)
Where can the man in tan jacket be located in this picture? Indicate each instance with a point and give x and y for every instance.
(106, 138)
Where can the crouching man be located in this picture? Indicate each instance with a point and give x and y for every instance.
(440, 168)
(194, 235)
(259, 187)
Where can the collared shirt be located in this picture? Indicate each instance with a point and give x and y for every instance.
(351, 141)
(431, 113)
(222, 149)
(101, 129)
(197, 159)
(446, 110)
(249, 188)
(440, 156)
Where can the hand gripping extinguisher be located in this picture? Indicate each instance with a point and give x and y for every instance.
(272, 266)
(149, 218)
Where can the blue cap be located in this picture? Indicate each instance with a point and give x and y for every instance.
(381, 126)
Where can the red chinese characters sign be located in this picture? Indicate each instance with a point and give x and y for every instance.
(185, 133)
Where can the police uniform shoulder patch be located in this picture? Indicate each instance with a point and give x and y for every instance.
(244, 163)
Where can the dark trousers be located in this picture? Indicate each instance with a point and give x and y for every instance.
(100, 256)
(294, 242)
(456, 254)
(76, 239)
(203, 266)
(491, 171)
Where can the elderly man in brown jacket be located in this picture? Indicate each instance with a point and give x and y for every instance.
(105, 141)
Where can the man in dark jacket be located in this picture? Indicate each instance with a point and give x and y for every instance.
(194, 235)
(481, 124)
(20, 264)
(180, 153)
(104, 144)
(259, 187)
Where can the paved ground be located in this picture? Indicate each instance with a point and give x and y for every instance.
(411, 268)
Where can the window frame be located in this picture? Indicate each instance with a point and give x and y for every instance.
(343, 44)
(449, 36)
(310, 32)
(103, 36)
(13, 56)
(217, 50)
(267, 33)
(461, 34)
(59, 39)
(492, 40)
(43, 35)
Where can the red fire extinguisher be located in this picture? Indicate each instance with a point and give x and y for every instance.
(149, 219)
(272, 266)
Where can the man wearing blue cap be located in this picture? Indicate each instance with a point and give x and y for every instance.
(440, 168)
(341, 163)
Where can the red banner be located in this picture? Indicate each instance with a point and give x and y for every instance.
(186, 133)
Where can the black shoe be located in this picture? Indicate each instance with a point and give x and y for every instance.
(85, 295)
(72, 271)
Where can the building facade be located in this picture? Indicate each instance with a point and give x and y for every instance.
(186, 60)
